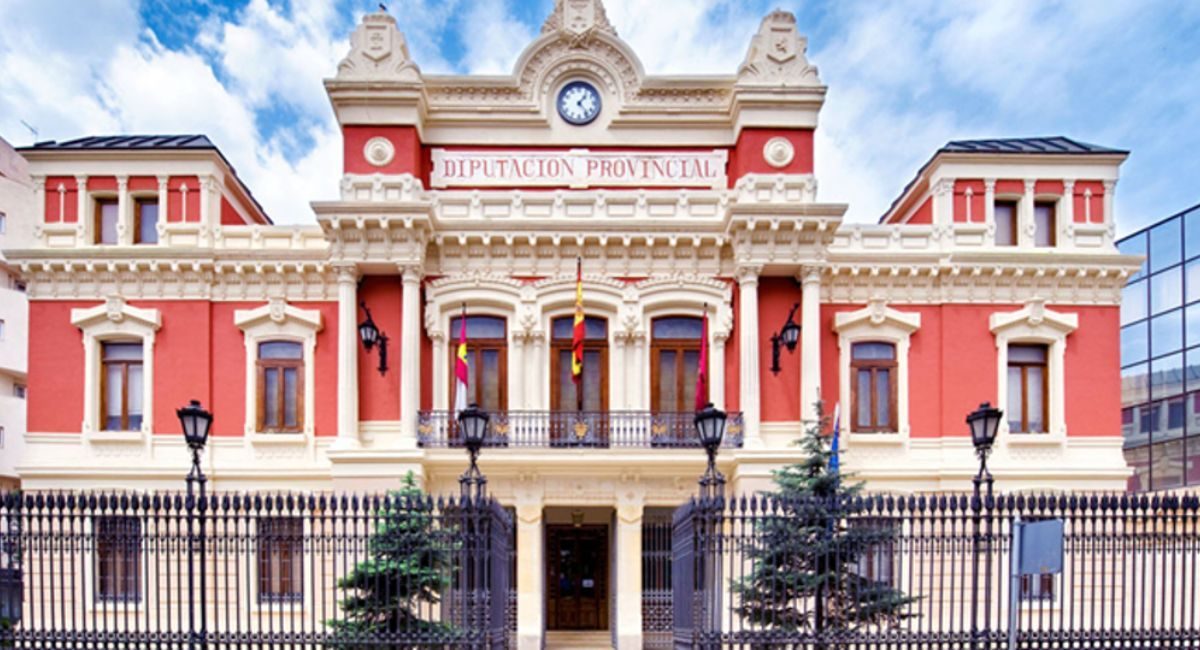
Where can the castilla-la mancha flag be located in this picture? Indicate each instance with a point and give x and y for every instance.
(461, 374)
(578, 333)
(702, 370)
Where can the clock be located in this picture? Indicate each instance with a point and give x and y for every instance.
(578, 103)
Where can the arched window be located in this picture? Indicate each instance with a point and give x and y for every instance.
(563, 394)
(487, 361)
(674, 363)
(280, 387)
(873, 386)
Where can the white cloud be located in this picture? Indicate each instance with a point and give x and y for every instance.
(492, 38)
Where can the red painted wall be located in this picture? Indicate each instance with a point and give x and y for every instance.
(733, 401)
(379, 396)
(146, 184)
(1093, 376)
(1048, 188)
(175, 198)
(69, 197)
(229, 215)
(183, 369)
(978, 201)
(55, 368)
(1010, 187)
(1097, 202)
(747, 156)
(923, 214)
(408, 158)
(102, 184)
(778, 394)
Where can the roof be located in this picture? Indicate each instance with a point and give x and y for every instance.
(1052, 145)
(146, 143)
(126, 142)
(1055, 144)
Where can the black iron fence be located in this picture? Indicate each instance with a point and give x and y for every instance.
(1129, 574)
(601, 429)
(117, 570)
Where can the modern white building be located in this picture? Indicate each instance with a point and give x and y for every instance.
(16, 206)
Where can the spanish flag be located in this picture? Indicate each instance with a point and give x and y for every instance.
(578, 333)
(461, 373)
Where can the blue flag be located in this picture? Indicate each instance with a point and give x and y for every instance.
(834, 464)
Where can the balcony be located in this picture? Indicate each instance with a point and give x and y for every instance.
(576, 429)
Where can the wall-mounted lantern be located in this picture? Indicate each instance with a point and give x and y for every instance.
(371, 336)
(787, 336)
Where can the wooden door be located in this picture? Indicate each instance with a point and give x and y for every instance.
(577, 577)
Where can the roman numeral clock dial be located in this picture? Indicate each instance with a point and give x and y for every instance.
(578, 102)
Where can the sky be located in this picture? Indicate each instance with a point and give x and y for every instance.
(904, 77)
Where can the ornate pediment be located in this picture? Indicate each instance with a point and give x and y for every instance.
(378, 52)
(578, 18)
(777, 55)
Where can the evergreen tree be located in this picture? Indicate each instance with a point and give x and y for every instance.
(806, 556)
(409, 565)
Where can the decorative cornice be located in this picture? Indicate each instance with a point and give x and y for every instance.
(277, 311)
(115, 310)
(1035, 316)
(877, 314)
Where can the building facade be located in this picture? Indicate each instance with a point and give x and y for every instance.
(155, 278)
(1160, 357)
(16, 212)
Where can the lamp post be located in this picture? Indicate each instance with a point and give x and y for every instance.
(473, 423)
(710, 428)
(196, 422)
(785, 337)
(370, 335)
(984, 422)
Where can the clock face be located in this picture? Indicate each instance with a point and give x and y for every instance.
(578, 102)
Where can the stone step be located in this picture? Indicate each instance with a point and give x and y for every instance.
(591, 640)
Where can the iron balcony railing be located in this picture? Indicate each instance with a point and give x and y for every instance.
(604, 429)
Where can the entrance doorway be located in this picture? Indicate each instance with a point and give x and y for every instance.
(577, 577)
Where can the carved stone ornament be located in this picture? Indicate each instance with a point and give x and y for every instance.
(378, 52)
(379, 151)
(578, 18)
(777, 54)
(779, 152)
(278, 310)
(114, 308)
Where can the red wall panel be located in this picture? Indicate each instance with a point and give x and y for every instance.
(69, 199)
(1092, 372)
(379, 396)
(733, 400)
(55, 367)
(779, 394)
(408, 158)
(1096, 204)
(175, 198)
(978, 199)
(923, 214)
(747, 156)
(182, 363)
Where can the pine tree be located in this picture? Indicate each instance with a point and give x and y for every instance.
(804, 575)
(408, 565)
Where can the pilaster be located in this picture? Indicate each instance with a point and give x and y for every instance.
(162, 204)
(630, 511)
(748, 353)
(39, 191)
(1025, 223)
(347, 374)
(84, 223)
(1110, 188)
(810, 341)
(1066, 209)
(531, 568)
(989, 201)
(124, 214)
(410, 355)
(943, 202)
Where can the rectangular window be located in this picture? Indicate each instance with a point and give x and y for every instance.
(121, 386)
(146, 226)
(487, 369)
(1045, 224)
(280, 387)
(280, 560)
(563, 395)
(674, 363)
(1, 437)
(873, 387)
(2, 325)
(3, 223)
(118, 542)
(1006, 223)
(19, 391)
(1027, 389)
(1037, 587)
(107, 216)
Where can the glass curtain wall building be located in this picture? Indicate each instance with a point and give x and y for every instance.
(1160, 354)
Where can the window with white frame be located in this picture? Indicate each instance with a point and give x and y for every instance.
(280, 340)
(1031, 346)
(118, 344)
(280, 554)
(118, 544)
(873, 367)
(121, 378)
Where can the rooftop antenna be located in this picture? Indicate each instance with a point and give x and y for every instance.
(31, 129)
(383, 7)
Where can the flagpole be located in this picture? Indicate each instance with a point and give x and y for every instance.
(579, 343)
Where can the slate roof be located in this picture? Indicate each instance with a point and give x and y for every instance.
(1054, 144)
(125, 142)
(1045, 145)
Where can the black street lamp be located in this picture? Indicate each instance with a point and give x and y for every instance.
(370, 335)
(786, 337)
(984, 422)
(473, 423)
(710, 429)
(196, 422)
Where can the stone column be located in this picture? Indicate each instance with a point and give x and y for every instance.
(1110, 188)
(516, 383)
(989, 200)
(628, 558)
(125, 219)
(531, 622)
(84, 223)
(207, 208)
(410, 355)
(943, 202)
(1066, 210)
(716, 370)
(748, 354)
(810, 342)
(1025, 215)
(162, 206)
(347, 347)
